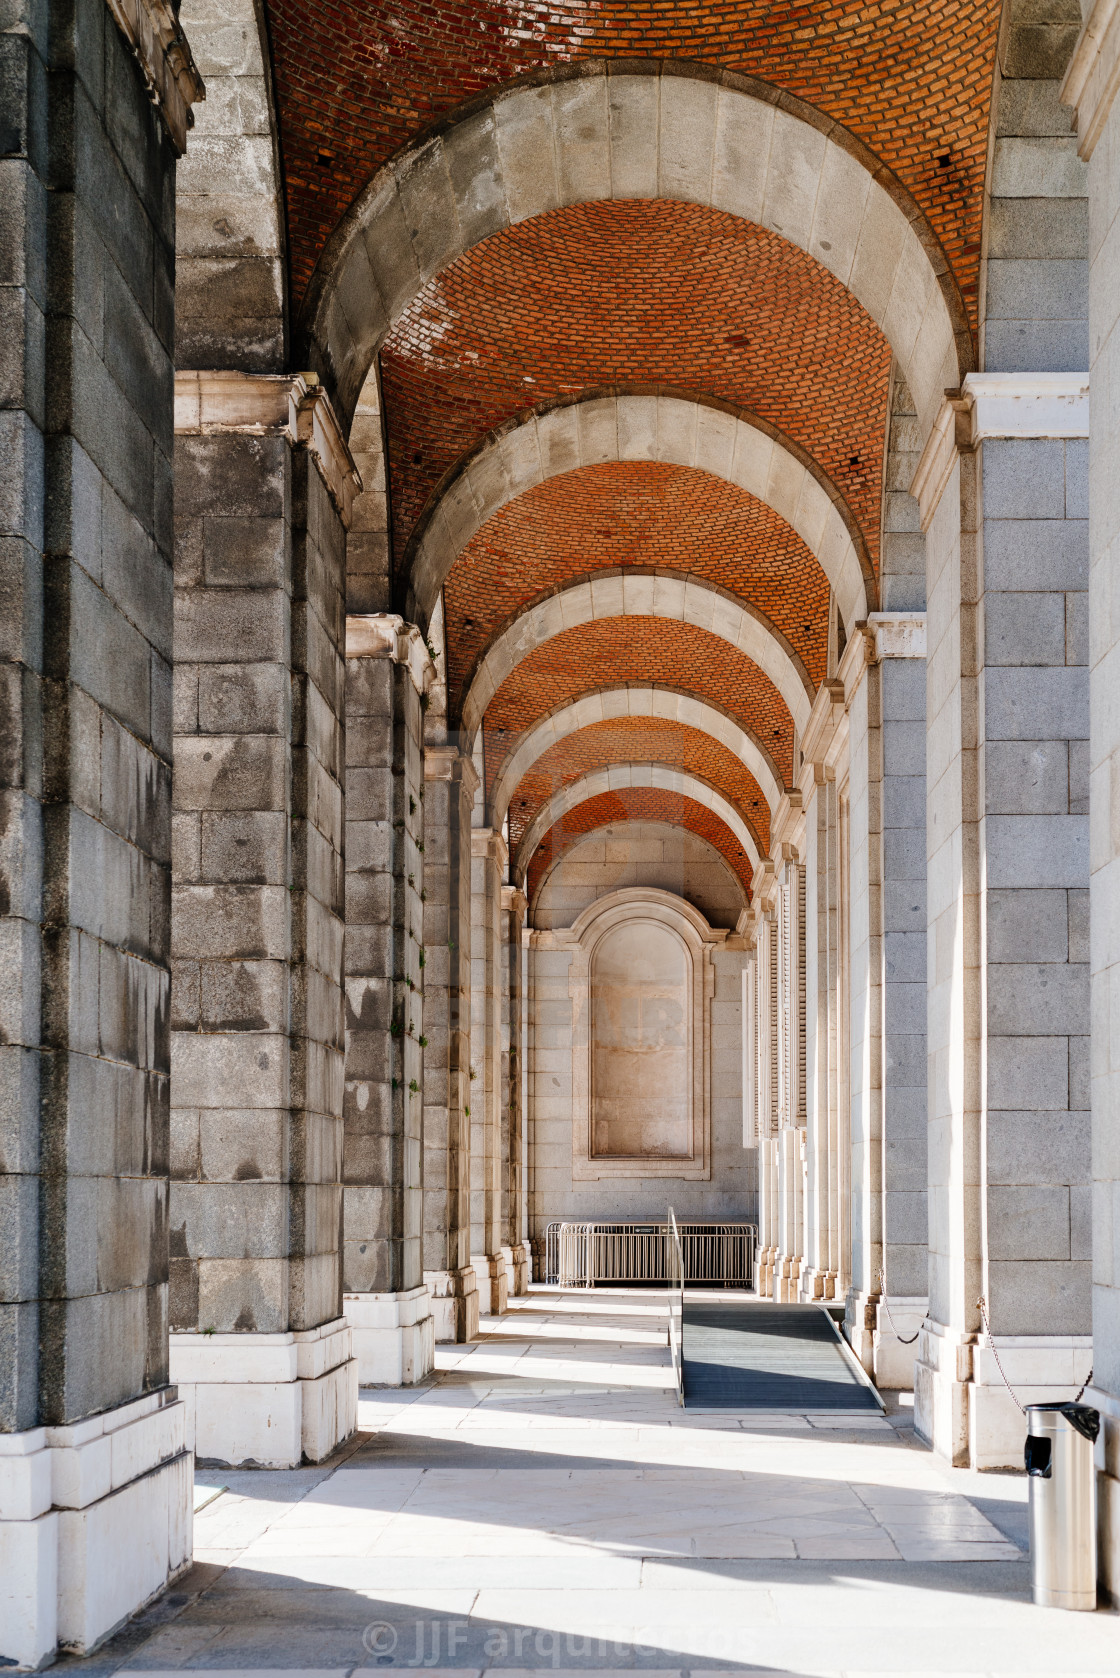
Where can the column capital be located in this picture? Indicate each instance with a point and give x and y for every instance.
(448, 763)
(295, 405)
(514, 900)
(1094, 74)
(156, 38)
(1022, 405)
(824, 719)
(897, 635)
(386, 635)
(487, 842)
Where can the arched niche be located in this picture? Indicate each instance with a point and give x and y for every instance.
(641, 983)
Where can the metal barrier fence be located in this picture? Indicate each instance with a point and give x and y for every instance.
(675, 1256)
(579, 1255)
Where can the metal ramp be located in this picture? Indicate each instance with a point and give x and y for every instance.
(747, 1354)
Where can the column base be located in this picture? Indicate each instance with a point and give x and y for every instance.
(95, 1521)
(1108, 1492)
(516, 1261)
(892, 1363)
(859, 1325)
(493, 1287)
(817, 1284)
(454, 1296)
(394, 1336)
(961, 1405)
(764, 1264)
(268, 1400)
(786, 1279)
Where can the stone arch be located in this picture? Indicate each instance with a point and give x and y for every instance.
(721, 898)
(595, 132)
(230, 289)
(650, 701)
(640, 595)
(677, 429)
(661, 776)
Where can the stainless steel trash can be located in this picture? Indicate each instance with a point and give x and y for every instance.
(1063, 1504)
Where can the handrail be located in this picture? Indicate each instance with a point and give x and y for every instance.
(588, 1254)
(675, 1265)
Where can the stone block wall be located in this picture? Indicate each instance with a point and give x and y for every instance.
(87, 437)
(87, 181)
(1034, 837)
(257, 920)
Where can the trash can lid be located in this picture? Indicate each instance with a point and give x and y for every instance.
(1082, 1417)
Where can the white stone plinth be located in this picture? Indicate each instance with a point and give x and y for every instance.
(268, 1400)
(493, 1284)
(394, 1336)
(95, 1519)
(454, 1296)
(961, 1404)
(892, 1362)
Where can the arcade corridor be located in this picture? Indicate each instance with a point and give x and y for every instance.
(542, 1504)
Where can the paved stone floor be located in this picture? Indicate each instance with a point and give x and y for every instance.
(543, 1505)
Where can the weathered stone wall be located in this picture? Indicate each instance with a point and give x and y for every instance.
(230, 274)
(87, 185)
(257, 919)
(87, 627)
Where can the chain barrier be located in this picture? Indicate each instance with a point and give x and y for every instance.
(909, 1341)
(983, 1304)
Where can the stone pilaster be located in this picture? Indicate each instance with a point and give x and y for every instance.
(1091, 85)
(95, 1469)
(450, 783)
(1003, 492)
(488, 867)
(259, 1344)
(823, 746)
(515, 1250)
(388, 669)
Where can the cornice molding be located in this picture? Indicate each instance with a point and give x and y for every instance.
(215, 403)
(988, 405)
(448, 763)
(385, 635)
(1094, 74)
(486, 842)
(824, 719)
(898, 634)
(514, 900)
(157, 42)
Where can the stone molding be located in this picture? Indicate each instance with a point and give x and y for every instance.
(159, 46)
(857, 655)
(448, 763)
(1027, 404)
(1093, 75)
(787, 832)
(210, 404)
(486, 842)
(1022, 405)
(641, 904)
(387, 635)
(824, 719)
(898, 634)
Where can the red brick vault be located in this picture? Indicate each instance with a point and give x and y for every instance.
(356, 80)
(636, 804)
(634, 296)
(637, 295)
(622, 515)
(639, 740)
